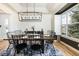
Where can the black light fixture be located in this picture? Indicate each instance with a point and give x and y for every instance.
(24, 16)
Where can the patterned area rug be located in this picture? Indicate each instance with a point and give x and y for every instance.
(49, 50)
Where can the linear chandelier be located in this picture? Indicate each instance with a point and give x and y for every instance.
(23, 16)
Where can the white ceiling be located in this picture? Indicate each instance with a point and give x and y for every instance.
(39, 7)
(2, 12)
(32, 4)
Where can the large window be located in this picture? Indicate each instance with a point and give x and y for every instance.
(70, 22)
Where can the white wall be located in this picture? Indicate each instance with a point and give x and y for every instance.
(15, 24)
(4, 24)
(58, 24)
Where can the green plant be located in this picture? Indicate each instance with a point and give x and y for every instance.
(75, 17)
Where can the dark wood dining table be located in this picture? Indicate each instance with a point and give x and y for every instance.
(42, 39)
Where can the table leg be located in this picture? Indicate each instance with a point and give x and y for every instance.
(42, 42)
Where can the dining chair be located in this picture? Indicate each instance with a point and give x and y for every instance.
(19, 45)
(36, 48)
(9, 37)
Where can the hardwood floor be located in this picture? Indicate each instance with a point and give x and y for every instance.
(62, 47)
(3, 45)
(68, 51)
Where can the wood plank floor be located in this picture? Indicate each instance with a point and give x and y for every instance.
(3, 45)
(58, 45)
(65, 49)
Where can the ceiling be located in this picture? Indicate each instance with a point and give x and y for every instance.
(2, 12)
(38, 7)
(31, 7)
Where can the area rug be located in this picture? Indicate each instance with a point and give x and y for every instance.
(49, 50)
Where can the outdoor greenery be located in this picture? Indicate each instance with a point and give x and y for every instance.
(73, 29)
(75, 17)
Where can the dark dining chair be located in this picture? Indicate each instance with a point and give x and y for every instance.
(36, 48)
(19, 45)
(9, 37)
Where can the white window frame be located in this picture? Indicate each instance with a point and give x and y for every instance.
(74, 39)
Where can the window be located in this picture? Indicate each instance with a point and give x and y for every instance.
(70, 22)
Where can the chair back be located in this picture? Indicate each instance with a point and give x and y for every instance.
(9, 37)
(16, 39)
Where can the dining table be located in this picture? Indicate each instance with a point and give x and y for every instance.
(41, 39)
